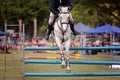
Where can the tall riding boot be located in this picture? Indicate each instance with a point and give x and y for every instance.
(73, 30)
(49, 29)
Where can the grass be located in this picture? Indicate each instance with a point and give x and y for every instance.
(14, 67)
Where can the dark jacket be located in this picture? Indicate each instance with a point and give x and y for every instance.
(56, 3)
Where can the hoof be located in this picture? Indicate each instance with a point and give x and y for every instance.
(63, 66)
(68, 71)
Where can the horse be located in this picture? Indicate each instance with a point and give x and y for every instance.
(62, 33)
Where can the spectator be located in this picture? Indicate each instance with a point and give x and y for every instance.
(97, 42)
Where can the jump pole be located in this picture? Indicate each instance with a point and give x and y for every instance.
(75, 48)
(48, 58)
(86, 74)
(72, 62)
(27, 74)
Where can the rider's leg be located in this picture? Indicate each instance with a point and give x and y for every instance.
(72, 25)
(49, 28)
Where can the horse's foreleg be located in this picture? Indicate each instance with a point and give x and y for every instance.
(63, 64)
(67, 45)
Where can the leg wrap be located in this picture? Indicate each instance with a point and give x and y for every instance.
(62, 57)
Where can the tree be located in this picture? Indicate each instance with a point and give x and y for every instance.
(92, 12)
(84, 14)
(27, 10)
(108, 10)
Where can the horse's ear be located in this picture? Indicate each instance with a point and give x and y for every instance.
(59, 8)
(69, 8)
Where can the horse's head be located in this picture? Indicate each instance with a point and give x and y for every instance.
(64, 15)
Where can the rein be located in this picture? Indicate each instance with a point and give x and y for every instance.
(60, 26)
(63, 20)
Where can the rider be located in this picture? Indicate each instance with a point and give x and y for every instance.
(54, 13)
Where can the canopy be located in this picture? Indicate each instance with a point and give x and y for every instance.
(107, 28)
(80, 27)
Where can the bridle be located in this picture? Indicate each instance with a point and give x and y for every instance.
(60, 24)
(60, 19)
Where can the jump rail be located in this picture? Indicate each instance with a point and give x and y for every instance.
(72, 74)
(72, 62)
(48, 58)
(75, 48)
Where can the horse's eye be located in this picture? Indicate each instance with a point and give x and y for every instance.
(69, 17)
(60, 17)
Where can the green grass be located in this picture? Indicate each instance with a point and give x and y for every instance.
(14, 67)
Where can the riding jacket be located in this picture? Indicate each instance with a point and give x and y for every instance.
(56, 3)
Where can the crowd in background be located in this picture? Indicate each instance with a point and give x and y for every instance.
(14, 42)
